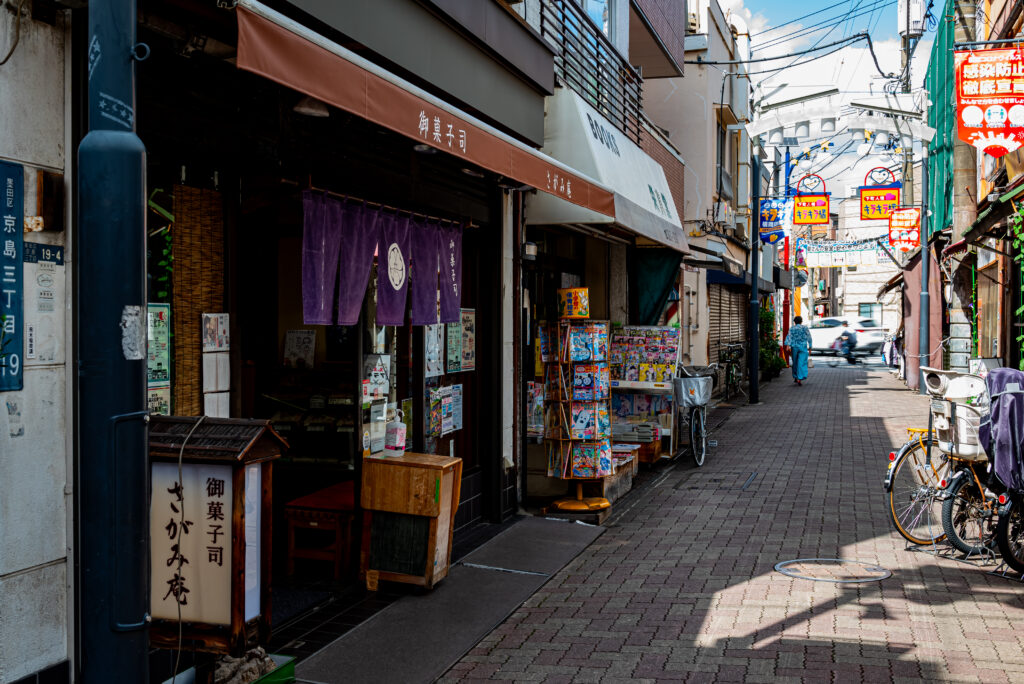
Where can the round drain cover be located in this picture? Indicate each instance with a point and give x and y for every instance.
(832, 570)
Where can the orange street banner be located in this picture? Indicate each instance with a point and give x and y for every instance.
(905, 228)
(878, 201)
(810, 210)
(990, 99)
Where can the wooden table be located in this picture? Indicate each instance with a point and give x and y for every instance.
(331, 509)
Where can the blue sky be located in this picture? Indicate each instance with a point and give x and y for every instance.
(880, 13)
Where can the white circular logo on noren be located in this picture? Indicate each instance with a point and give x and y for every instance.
(396, 266)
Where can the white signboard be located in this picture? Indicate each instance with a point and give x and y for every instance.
(838, 254)
(190, 543)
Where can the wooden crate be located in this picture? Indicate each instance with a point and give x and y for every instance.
(410, 503)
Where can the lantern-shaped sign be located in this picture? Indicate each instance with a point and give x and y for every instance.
(878, 201)
(905, 228)
(210, 523)
(990, 99)
(810, 210)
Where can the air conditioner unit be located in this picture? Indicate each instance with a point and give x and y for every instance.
(693, 22)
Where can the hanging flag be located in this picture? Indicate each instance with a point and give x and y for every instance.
(776, 219)
(990, 99)
(905, 229)
(878, 201)
(810, 210)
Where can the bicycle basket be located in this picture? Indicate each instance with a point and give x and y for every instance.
(690, 392)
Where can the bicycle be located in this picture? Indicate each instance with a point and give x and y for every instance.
(912, 481)
(730, 355)
(692, 393)
(968, 509)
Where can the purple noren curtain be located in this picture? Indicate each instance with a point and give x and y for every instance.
(321, 239)
(392, 269)
(423, 247)
(360, 228)
(451, 272)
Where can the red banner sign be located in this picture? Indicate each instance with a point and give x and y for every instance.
(905, 228)
(990, 99)
(810, 210)
(877, 202)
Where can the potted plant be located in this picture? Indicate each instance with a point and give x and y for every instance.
(770, 359)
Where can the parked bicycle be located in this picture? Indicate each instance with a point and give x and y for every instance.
(959, 401)
(912, 482)
(692, 393)
(730, 355)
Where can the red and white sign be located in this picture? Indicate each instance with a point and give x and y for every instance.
(990, 99)
(905, 228)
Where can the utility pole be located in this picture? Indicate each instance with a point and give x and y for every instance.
(964, 207)
(113, 475)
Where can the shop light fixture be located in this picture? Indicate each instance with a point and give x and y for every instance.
(424, 148)
(472, 172)
(310, 106)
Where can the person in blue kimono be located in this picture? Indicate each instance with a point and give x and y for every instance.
(799, 342)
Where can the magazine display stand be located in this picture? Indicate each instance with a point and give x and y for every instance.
(578, 428)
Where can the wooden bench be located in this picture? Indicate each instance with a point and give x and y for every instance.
(331, 509)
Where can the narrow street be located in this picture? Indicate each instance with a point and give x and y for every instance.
(682, 585)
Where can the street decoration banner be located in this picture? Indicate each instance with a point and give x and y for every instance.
(835, 254)
(990, 99)
(810, 210)
(878, 201)
(905, 229)
(776, 219)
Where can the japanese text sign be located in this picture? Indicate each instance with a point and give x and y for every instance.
(12, 287)
(191, 543)
(775, 220)
(990, 99)
(810, 210)
(905, 228)
(878, 201)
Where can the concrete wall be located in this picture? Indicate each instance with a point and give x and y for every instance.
(35, 472)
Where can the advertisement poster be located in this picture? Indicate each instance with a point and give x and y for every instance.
(299, 348)
(12, 325)
(454, 347)
(990, 99)
(776, 219)
(215, 332)
(434, 413)
(456, 407)
(878, 201)
(810, 210)
(433, 350)
(468, 339)
(820, 254)
(376, 377)
(158, 401)
(158, 346)
(905, 229)
(447, 411)
(44, 295)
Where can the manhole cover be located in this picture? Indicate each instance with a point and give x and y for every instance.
(832, 570)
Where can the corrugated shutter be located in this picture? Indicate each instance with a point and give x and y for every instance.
(727, 319)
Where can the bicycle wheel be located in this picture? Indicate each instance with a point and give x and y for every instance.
(698, 435)
(1010, 537)
(913, 508)
(965, 519)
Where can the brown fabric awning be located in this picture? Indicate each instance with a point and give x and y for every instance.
(322, 69)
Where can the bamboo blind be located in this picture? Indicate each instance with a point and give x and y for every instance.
(198, 279)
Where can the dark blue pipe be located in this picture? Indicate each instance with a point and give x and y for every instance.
(113, 483)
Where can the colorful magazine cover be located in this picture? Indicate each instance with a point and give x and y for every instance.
(603, 428)
(604, 458)
(584, 460)
(583, 416)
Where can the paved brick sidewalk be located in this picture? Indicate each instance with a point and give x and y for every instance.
(682, 586)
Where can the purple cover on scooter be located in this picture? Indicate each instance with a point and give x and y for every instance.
(1001, 433)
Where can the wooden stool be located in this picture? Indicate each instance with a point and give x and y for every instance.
(329, 510)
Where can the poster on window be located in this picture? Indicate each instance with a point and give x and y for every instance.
(376, 377)
(215, 332)
(990, 99)
(299, 348)
(158, 346)
(468, 321)
(454, 364)
(433, 350)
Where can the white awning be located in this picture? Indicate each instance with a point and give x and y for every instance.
(578, 136)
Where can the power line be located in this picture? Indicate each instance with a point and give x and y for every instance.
(829, 23)
(852, 38)
(793, 21)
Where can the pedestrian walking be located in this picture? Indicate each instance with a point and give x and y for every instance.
(798, 342)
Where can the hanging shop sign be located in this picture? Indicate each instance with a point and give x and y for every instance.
(832, 254)
(905, 229)
(775, 219)
(879, 200)
(12, 286)
(990, 99)
(810, 206)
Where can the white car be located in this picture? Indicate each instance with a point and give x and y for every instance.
(824, 331)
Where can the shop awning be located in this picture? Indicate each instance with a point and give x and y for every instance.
(891, 284)
(282, 50)
(578, 135)
(993, 214)
(743, 278)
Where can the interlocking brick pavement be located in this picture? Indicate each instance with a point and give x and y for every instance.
(682, 585)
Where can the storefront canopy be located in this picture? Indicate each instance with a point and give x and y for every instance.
(282, 50)
(576, 134)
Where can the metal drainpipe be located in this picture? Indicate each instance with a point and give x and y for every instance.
(113, 495)
(924, 343)
(754, 338)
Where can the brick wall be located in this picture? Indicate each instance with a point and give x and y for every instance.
(668, 19)
(673, 168)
